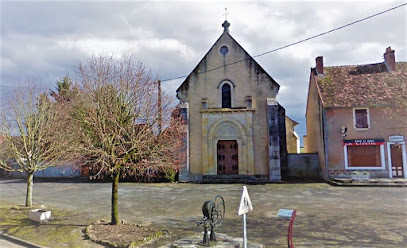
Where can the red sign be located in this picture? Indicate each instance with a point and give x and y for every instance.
(363, 142)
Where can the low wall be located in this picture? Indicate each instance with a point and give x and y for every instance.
(65, 171)
(303, 165)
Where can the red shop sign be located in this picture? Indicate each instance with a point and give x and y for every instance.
(363, 142)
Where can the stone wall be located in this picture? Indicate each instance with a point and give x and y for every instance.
(64, 171)
(303, 165)
(274, 141)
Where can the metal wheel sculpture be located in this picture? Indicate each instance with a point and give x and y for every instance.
(218, 211)
(214, 213)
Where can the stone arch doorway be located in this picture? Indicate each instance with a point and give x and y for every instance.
(228, 129)
(227, 157)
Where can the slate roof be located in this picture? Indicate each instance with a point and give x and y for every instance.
(295, 123)
(362, 85)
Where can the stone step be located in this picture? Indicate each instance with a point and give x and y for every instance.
(234, 179)
(379, 182)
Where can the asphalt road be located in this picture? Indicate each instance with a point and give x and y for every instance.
(7, 244)
(326, 216)
(7, 241)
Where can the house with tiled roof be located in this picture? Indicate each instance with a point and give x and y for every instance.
(356, 118)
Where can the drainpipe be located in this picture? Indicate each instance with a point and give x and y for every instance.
(325, 142)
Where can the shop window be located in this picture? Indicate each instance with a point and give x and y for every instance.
(364, 156)
(361, 118)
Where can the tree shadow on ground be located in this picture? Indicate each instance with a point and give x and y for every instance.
(308, 231)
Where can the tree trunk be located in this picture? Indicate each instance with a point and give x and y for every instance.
(29, 195)
(115, 198)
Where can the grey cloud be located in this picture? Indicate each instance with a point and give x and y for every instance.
(63, 17)
(32, 33)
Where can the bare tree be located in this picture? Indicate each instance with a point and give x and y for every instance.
(33, 136)
(119, 118)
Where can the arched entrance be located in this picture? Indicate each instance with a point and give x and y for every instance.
(235, 152)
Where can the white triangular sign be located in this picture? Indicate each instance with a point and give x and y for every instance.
(245, 203)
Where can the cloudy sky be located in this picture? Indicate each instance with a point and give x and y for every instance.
(42, 41)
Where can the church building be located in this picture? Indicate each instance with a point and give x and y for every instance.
(236, 128)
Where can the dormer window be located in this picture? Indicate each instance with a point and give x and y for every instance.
(226, 96)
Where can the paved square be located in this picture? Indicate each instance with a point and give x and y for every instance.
(326, 216)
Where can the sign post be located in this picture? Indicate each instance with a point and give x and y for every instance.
(288, 213)
(245, 207)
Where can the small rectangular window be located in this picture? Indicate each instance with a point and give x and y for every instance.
(361, 118)
(204, 103)
(249, 104)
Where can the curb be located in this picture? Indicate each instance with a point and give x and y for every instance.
(18, 241)
(365, 184)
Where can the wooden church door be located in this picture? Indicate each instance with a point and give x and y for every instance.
(227, 157)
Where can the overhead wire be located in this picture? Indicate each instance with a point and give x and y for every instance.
(295, 43)
(282, 47)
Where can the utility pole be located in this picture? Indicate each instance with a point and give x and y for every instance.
(159, 106)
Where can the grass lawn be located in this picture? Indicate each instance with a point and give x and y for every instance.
(61, 231)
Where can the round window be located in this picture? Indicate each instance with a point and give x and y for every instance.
(224, 50)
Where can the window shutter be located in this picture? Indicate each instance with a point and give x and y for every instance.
(361, 118)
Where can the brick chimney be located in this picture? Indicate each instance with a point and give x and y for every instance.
(319, 65)
(390, 59)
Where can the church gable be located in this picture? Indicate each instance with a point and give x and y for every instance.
(231, 105)
(227, 61)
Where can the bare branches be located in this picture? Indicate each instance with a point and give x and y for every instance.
(117, 111)
(120, 120)
(110, 116)
(37, 135)
(31, 132)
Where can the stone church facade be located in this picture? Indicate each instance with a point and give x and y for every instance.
(236, 128)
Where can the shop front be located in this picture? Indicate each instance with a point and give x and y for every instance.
(364, 154)
(370, 155)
